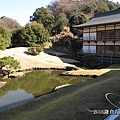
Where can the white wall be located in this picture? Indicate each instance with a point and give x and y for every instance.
(109, 43)
(100, 43)
(117, 43)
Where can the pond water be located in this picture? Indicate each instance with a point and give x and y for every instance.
(13, 98)
(34, 84)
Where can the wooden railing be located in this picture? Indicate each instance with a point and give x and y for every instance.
(98, 53)
(109, 38)
(98, 38)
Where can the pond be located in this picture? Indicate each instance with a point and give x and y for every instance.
(34, 84)
(14, 98)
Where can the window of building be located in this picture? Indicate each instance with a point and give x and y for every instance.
(108, 35)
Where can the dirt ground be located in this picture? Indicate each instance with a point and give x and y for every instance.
(87, 72)
(27, 61)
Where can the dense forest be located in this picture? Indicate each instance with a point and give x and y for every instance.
(89, 7)
(50, 21)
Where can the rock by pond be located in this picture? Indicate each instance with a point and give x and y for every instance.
(16, 75)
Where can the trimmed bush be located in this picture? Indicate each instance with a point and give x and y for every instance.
(35, 50)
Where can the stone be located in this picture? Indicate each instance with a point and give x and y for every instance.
(16, 75)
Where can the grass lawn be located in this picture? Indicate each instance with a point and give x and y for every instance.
(69, 103)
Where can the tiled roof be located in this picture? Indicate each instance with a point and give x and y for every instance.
(103, 18)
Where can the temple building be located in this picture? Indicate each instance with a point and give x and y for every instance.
(101, 35)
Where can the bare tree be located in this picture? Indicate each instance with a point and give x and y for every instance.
(9, 23)
(63, 6)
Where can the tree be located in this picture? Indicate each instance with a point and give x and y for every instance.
(60, 22)
(27, 36)
(89, 7)
(77, 19)
(30, 35)
(111, 6)
(5, 38)
(101, 9)
(68, 7)
(38, 35)
(8, 64)
(9, 23)
(3, 43)
(42, 15)
(16, 40)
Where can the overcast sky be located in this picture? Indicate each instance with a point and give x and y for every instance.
(21, 10)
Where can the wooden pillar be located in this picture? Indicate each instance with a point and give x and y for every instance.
(113, 47)
(114, 27)
(105, 32)
(102, 58)
(96, 39)
(103, 52)
(96, 33)
(96, 46)
(104, 46)
(111, 58)
(89, 33)
(89, 47)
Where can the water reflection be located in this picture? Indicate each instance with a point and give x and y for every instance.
(14, 98)
(20, 90)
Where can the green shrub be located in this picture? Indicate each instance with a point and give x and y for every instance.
(35, 50)
(9, 64)
(89, 60)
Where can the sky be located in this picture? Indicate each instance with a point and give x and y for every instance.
(21, 10)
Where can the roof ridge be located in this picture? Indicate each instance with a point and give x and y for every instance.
(107, 13)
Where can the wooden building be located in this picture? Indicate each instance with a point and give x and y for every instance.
(101, 35)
